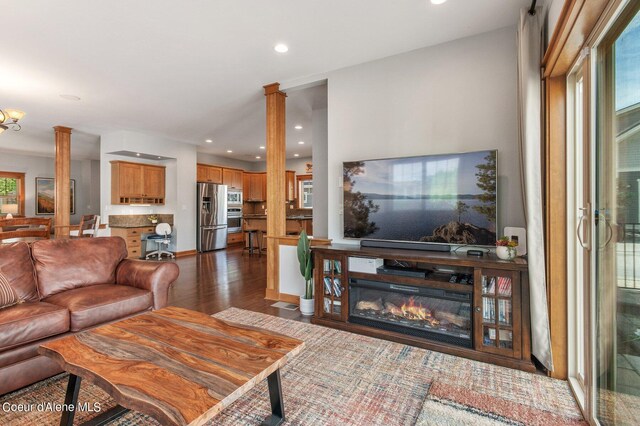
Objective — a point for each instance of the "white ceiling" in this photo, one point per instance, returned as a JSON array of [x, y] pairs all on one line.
[[194, 69]]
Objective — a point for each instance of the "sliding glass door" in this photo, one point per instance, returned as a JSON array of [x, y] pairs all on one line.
[[616, 219], [578, 229]]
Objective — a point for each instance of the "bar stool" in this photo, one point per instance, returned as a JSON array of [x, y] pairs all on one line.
[[252, 234]]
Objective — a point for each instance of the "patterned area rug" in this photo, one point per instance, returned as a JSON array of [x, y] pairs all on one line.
[[347, 379]]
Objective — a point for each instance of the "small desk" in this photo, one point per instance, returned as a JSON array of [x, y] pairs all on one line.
[[179, 366]]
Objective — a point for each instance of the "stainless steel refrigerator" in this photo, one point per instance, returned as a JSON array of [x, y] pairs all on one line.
[[212, 217]]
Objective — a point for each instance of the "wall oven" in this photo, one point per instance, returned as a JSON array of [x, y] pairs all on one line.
[[234, 219]]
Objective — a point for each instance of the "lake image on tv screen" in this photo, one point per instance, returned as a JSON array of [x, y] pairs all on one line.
[[439, 198]]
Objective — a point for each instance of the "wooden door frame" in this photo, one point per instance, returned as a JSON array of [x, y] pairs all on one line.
[[21, 195]]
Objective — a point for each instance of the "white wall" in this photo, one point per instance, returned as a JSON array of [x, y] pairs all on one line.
[[85, 173], [299, 165], [455, 97], [553, 9], [180, 198], [320, 187], [217, 160]]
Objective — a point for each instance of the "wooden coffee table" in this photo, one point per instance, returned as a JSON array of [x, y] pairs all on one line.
[[179, 366]]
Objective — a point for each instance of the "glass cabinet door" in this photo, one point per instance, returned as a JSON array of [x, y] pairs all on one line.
[[497, 323], [333, 289]]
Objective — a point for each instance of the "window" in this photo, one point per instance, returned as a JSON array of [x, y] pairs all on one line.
[[305, 191], [11, 193]]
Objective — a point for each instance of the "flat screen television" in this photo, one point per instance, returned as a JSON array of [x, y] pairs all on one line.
[[448, 199]]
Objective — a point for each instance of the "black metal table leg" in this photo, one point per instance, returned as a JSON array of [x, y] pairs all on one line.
[[70, 400], [275, 395], [107, 417]]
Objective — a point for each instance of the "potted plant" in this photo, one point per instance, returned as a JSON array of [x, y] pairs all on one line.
[[306, 269], [506, 248], [153, 218]]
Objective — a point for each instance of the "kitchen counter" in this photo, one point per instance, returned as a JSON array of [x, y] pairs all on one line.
[[127, 221]]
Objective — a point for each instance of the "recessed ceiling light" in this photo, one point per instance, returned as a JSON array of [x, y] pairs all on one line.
[[137, 154], [301, 143], [281, 48], [262, 147], [229, 151], [208, 141], [296, 155], [437, 1], [298, 127], [257, 157], [159, 158], [70, 97]]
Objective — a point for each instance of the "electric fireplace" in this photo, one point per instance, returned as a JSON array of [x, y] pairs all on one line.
[[428, 312]]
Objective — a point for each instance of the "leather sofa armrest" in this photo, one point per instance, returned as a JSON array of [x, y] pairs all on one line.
[[156, 277]]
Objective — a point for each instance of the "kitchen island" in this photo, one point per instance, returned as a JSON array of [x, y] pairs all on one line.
[[295, 224]]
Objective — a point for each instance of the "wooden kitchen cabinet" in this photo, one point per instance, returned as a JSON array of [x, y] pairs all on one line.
[[136, 183], [209, 174], [255, 187], [290, 182], [232, 178]]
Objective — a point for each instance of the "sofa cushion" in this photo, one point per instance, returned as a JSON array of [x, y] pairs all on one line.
[[69, 264], [31, 321], [8, 297], [97, 304], [15, 262]]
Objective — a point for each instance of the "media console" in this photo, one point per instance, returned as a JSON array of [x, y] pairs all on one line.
[[469, 307]]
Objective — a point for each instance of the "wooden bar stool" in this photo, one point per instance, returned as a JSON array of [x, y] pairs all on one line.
[[252, 234]]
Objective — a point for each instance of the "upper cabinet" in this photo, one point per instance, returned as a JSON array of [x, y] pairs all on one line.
[[290, 188], [232, 178], [136, 183], [210, 174], [255, 187]]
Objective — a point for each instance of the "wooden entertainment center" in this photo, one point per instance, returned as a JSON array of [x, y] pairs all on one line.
[[474, 307]]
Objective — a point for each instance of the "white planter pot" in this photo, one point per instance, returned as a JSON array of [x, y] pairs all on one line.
[[506, 253], [306, 306]]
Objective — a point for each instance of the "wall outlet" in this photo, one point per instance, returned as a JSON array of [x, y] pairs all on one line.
[[290, 206]]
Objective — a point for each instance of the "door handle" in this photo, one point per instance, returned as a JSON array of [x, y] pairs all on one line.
[[584, 215], [609, 229]]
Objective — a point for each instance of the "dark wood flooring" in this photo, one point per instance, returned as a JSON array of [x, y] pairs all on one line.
[[214, 281]]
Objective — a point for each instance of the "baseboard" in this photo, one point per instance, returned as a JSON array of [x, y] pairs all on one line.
[[290, 298], [186, 253]]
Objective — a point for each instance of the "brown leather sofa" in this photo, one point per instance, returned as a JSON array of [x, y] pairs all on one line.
[[68, 286]]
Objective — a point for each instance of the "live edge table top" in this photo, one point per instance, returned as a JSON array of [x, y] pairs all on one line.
[[179, 366]]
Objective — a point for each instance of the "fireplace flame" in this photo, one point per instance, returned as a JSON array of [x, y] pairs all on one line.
[[410, 310]]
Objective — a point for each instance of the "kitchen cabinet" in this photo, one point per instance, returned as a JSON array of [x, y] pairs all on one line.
[[255, 186], [232, 178], [136, 183], [210, 174], [290, 188]]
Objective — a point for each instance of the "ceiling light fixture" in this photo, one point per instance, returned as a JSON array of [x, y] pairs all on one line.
[[298, 127], [159, 158], [9, 119], [296, 155], [257, 157], [438, 1], [208, 141], [262, 147], [70, 97], [229, 151], [301, 143], [281, 48], [137, 154]]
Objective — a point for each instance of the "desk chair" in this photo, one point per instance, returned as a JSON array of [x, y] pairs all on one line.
[[162, 237]]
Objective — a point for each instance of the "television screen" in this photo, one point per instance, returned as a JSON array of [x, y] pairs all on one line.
[[436, 198]]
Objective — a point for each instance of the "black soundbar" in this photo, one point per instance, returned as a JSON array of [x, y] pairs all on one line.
[[405, 245]]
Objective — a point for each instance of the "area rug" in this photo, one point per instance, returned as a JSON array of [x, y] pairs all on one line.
[[342, 378]]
